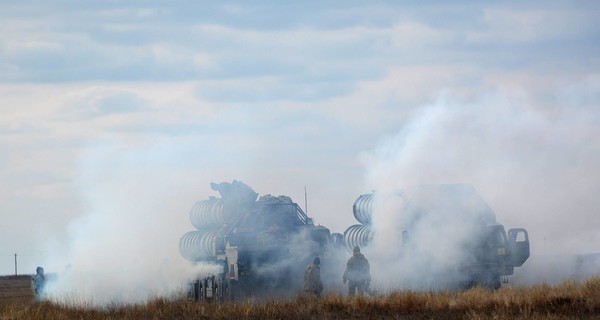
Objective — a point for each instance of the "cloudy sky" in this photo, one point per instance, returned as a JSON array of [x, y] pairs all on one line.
[[116, 116]]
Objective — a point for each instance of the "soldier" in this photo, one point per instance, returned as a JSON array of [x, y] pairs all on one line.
[[312, 278], [39, 281], [357, 272]]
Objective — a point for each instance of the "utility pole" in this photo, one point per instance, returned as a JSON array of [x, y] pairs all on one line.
[[15, 264]]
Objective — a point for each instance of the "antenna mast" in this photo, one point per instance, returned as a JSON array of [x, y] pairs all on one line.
[[305, 202]]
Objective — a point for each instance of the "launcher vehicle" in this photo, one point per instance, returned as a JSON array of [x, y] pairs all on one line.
[[448, 232], [261, 245]]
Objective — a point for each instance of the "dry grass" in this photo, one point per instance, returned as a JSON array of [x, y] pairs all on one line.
[[568, 300]]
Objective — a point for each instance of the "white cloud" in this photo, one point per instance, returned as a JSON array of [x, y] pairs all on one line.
[[523, 26], [25, 47], [412, 35]]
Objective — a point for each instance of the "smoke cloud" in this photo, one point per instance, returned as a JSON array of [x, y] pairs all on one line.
[[124, 248], [534, 166]]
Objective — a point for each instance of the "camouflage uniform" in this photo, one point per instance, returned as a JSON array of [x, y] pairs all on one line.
[[312, 278], [357, 273]]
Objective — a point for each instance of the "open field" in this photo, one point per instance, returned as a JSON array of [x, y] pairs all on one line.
[[15, 289], [566, 300]]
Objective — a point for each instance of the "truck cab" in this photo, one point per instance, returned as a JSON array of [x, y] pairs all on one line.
[[495, 254]]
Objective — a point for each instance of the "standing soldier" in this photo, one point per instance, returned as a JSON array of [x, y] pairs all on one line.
[[39, 281], [357, 272], [312, 278]]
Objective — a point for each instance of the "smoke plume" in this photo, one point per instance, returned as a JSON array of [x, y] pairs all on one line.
[[534, 166], [124, 248]]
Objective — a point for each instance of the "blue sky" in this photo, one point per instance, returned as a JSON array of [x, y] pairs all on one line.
[[135, 107]]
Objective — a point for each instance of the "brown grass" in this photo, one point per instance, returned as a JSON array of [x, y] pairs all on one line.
[[569, 300]]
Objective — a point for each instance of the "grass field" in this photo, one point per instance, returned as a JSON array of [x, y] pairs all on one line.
[[575, 300]]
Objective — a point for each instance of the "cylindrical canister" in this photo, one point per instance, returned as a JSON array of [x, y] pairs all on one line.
[[358, 235], [363, 208], [207, 213], [198, 245]]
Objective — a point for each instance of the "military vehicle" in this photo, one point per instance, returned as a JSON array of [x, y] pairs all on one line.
[[261, 245], [448, 232]]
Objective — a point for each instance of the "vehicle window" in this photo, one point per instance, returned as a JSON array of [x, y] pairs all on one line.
[[520, 237], [496, 237]]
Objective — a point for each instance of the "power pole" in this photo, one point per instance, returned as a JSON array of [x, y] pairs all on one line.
[[15, 263]]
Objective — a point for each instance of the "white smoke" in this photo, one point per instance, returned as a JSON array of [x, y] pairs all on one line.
[[535, 166], [422, 236], [124, 249]]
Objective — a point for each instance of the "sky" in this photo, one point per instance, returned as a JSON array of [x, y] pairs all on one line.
[[116, 116]]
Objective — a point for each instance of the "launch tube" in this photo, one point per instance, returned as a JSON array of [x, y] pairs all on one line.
[[358, 235], [363, 208], [198, 245], [207, 213]]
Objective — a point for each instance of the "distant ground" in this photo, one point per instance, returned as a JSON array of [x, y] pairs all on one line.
[[552, 269], [15, 289]]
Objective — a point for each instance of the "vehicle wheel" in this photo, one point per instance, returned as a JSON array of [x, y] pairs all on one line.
[[492, 283]]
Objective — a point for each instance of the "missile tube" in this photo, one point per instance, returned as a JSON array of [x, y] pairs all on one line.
[[207, 214], [198, 245], [358, 235], [363, 208]]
